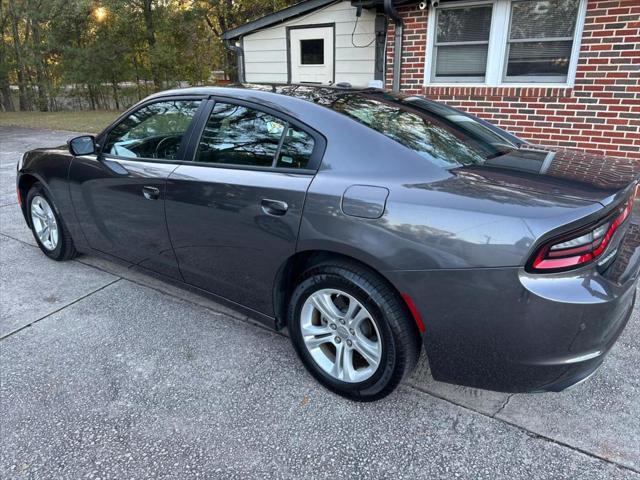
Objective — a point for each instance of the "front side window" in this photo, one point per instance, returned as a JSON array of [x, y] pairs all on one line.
[[505, 41], [462, 42], [153, 131], [239, 135]]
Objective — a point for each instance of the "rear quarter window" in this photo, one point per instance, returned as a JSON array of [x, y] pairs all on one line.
[[438, 140]]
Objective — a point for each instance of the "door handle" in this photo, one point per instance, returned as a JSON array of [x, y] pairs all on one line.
[[274, 207], [151, 193]]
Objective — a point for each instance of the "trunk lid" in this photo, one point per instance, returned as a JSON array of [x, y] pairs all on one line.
[[561, 173]]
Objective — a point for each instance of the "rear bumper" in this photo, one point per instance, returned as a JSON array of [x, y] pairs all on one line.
[[507, 330]]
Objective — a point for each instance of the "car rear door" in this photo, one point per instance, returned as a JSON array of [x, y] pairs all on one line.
[[118, 195], [234, 212]]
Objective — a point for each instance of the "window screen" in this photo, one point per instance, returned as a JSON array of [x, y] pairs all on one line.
[[462, 42], [541, 39], [312, 52], [238, 135]]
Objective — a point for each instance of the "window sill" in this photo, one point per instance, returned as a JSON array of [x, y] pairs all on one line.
[[504, 90]]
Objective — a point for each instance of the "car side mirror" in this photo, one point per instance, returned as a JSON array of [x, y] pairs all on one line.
[[83, 145]]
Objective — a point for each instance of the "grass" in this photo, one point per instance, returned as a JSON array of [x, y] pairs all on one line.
[[85, 121]]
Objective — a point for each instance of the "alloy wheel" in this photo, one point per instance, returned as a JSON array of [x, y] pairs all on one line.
[[341, 335], [44, 222]]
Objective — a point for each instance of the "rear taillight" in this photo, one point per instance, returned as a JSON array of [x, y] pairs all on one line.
[[581, 247]]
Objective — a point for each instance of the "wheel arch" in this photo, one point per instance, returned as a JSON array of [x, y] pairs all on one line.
[[294, 266], [25, 182]]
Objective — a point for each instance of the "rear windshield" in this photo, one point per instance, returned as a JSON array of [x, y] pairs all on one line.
[[442, 135]]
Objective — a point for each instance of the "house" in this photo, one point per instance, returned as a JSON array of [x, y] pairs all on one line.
[[556, 72]]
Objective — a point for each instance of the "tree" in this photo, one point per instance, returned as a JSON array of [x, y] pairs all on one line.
[[21, 73], [84, 52], [5, 66], [223, 15]]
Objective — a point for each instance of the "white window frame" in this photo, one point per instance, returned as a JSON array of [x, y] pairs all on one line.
[[497, 53]]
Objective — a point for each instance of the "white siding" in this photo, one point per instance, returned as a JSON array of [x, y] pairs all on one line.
[[265, 51]]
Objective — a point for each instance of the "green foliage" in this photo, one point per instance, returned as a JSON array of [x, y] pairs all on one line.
[[103, 54]]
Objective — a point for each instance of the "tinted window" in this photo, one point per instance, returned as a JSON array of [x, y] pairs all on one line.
[[485, 135], [240, 136], [153, 131], [296, 149], [447, 142]]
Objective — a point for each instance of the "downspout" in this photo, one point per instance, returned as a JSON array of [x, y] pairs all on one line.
[[391, 11], [381, 27], [239, 57]]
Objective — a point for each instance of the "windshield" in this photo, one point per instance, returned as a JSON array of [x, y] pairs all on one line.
[[442, 135]]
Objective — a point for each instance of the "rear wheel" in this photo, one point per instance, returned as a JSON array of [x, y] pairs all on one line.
[[352, 331], [48, 229]]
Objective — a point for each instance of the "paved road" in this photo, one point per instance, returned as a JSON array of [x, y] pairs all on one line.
[[108, 373]]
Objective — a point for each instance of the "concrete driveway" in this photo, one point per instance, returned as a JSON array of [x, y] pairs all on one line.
[[108, 373]]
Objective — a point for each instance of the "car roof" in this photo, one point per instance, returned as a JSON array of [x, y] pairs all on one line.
[[308, 103], [302, 91], [287, 95]]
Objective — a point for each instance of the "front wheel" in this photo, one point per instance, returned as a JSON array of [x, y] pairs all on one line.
[[352, 331], [50, 233]]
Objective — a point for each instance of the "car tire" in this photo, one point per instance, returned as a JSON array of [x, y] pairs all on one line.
[[391, 334], [43, 213]]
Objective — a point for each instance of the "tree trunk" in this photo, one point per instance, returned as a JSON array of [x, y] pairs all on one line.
[[114, 87], [43, 102], [7, 102], [229, 57], [92, 98], [231, 65], [5, 90], [134, 59], [150, 34], [23, 93]]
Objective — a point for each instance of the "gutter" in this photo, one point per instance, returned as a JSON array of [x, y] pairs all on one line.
[[240, 59], [392, 13]]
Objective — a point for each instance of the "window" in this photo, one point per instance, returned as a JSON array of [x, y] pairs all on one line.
[[153, 131], [505, 41], [540, 39], [239, 135], [443, 136], [312, 52], [296, 150], [462, 42]]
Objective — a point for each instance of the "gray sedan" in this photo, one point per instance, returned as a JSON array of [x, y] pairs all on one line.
[[370, 225]]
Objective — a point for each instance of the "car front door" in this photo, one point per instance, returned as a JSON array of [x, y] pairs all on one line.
[[118, 195], [234, 212]]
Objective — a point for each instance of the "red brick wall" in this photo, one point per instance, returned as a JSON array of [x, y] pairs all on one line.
[[600, 114]]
